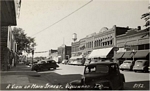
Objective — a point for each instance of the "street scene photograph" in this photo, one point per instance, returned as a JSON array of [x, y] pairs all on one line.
[[75, 45]]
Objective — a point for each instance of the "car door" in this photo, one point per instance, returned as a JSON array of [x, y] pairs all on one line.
[[42, 65], [115, 76]]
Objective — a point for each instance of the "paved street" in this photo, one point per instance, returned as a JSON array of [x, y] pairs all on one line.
[[21, 77], [67, 73]]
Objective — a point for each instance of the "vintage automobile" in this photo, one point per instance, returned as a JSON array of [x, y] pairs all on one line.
[[141, 65], [99, 76], [44, 65], [127, 65]]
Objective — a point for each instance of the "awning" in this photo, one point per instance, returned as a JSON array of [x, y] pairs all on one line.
[[102, 53], [119, 54], [141, 54], [128, 54], [121, 50]]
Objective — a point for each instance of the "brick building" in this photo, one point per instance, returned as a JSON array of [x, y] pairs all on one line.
[[135, 44], [90, 45], [64, 52]]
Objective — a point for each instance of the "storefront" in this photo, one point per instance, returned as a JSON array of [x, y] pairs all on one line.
[[102, 53]]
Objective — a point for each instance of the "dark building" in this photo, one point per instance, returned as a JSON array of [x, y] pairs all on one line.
[[9, 13], [64, 52], [52, 51]]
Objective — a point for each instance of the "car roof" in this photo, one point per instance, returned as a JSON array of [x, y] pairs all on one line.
[[128, 61], [141, 60], [102, 63]]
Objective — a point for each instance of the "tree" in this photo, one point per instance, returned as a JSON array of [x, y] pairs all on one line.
[[24, 42], [146, 17]]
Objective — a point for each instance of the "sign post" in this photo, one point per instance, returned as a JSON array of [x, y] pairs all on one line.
[[32, 56]]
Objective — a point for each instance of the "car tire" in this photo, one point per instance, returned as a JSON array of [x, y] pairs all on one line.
[[122, 87]]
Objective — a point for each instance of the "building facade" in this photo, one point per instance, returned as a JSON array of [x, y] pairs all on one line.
[[64, 52], [135, 43], [9, 48], [9, 13], [105, 38]]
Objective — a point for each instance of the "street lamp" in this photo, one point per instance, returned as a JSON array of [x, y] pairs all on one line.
[[32, 55]]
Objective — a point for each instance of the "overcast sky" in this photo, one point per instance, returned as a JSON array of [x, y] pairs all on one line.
[[36, 15]]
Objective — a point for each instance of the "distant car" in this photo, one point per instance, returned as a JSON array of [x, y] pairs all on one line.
[[65, 61], [99, 76], [87, 62], [141, 65], [77, 62], [127, 65], [44, 65]]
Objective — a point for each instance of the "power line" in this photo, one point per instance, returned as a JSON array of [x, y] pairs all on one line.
[[63, 18]]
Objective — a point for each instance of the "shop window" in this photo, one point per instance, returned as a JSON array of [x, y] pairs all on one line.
[[141, 47], [147, 46]]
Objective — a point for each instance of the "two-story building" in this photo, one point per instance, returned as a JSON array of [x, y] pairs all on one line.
[[134, 44], [64, 52], [9, 12]]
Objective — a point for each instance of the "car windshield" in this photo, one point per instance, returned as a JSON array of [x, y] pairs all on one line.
[[139, 62], [97, 69], [41, 62], [127, 62]]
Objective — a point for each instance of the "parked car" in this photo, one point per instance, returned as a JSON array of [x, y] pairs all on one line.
[[141, 65], [87, 62], [127, 65], [44, 65], [102, 76]]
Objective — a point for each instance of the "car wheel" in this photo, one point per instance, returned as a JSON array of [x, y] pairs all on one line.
[[135, 71]]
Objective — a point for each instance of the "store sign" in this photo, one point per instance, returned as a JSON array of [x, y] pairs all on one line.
[[129, 46]]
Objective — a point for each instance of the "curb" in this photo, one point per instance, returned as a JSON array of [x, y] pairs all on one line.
[[30, 73]]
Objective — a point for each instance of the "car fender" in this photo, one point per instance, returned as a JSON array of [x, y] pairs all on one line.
[[122, 77]]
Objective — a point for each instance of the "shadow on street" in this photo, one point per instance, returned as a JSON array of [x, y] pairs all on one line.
[[57, 79]]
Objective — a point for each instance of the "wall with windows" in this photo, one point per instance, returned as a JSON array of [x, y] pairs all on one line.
[[134, 39], [104, 39]]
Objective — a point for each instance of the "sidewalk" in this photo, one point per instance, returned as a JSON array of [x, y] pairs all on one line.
[[21, 76]]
